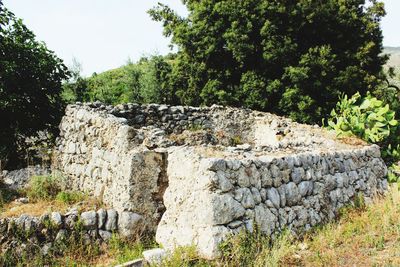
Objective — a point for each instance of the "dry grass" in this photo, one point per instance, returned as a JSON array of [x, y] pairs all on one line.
[[366, 236], [40, 207], [369, 237]]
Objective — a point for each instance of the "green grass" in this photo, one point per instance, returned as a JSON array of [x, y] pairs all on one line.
[[42, 188], [70, 197]]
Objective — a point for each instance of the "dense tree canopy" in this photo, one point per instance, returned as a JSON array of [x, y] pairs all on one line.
[[292, 57], [30, 85], [147, 81]]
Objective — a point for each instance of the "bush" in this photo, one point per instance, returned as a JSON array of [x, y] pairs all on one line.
[[371, 120], [43, 188], [368, 118]]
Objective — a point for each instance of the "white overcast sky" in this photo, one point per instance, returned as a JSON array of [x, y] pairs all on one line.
[[103, 34]]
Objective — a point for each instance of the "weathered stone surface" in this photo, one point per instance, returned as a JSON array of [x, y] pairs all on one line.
[[102, 217], [56, 219], [89, 219], [112, 219], [273, 196], [130, 224], [134, 263], [154, 256], [40, 233], [105, 235], [305, 188]]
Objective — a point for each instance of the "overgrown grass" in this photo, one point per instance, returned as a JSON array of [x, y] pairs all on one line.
[[42, 188], [45, 194], [362, 236], [70, 197]]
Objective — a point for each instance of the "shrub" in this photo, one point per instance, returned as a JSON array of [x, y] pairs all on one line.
[[373, 121], [30, 87], [43, 188], [368, 118]]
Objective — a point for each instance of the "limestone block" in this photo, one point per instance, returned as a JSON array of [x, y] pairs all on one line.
[[130, 224], [89, 219], [111, 222]]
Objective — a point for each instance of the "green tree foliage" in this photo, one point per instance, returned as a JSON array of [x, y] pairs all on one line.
[[289, 57], [115, 86], [147, 81], [76, 88], [30, 86], [155, 82]]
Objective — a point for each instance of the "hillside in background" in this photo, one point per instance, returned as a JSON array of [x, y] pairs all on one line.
[[394, 53]]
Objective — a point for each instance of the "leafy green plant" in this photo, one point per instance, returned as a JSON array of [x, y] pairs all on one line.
[[288, 57], [195, 127], [373, 121], [394, 174], [30, 87], [368, 118]]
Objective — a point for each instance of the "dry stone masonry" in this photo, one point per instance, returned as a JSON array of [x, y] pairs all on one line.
[[197, 175], [26, 233]]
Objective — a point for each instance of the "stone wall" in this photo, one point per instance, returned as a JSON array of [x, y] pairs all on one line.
[[27, 233], [207, 172], [98, 154], [209, 198]]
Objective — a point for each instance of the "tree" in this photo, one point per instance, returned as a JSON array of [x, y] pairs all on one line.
[[291, 57], [75, 89], [30, 86], [155, 82]]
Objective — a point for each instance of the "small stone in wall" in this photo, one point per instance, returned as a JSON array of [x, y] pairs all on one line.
[[89, 219], [56, 218], [105, 235], [102, 216], [154, 256], [112, 218], [129, 224]]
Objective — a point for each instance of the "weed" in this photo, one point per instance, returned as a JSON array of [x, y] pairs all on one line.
[[42, 188], [185, 256], [255, 249], [195, 127], [70, 197], [236, 140]]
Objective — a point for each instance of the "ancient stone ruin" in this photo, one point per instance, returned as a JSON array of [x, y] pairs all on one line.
[[197, 175]]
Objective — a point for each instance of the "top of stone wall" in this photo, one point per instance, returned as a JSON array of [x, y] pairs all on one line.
[[220, 130]]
